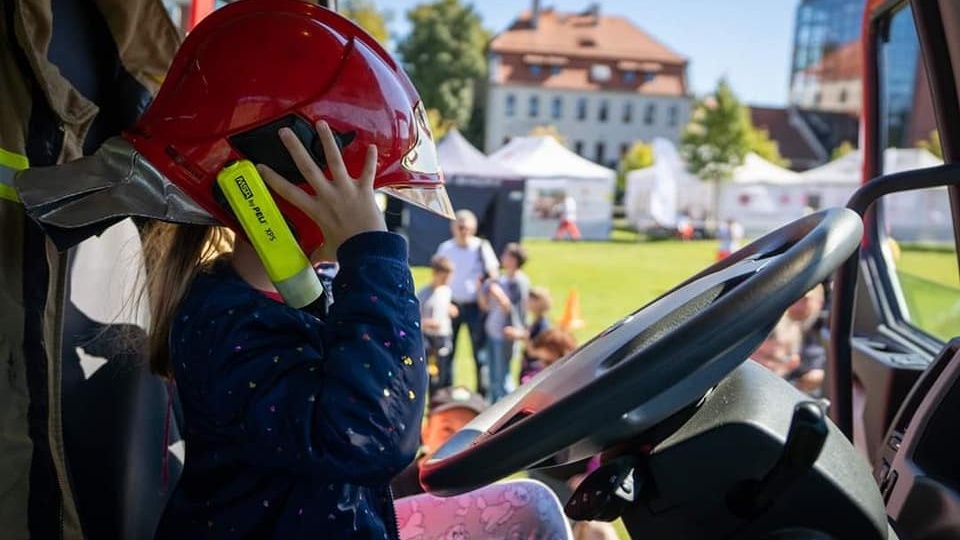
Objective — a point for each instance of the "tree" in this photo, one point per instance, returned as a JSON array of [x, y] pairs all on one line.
[[717, 138], [638, 156], [549, 131], [438, 126], [444, 55], [841, 150], [760, 143], [932, 144], [368, 17]]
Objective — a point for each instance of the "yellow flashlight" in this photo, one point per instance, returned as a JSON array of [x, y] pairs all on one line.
[[287, 266]]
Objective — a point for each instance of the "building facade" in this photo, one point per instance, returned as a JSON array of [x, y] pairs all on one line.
[[599, 80], [826, 64]]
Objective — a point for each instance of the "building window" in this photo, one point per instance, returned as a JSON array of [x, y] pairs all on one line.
[[556, 108], [555, 70], [511, 106], [599, 151], [624, 148], [843, 96], [536, 70], [627, 112], [673, 116], [602, 113], [630, 76], [648, 76], [534, 106], [582, 109], [650, 114], [578, 147]]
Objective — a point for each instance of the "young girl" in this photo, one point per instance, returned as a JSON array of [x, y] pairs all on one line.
[[294, 424]]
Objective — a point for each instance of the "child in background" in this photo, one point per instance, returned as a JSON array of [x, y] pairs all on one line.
[[505, 300], [538, 306], [809, 314], [436, 312], [780, 351], [548, 347], [450, 409]]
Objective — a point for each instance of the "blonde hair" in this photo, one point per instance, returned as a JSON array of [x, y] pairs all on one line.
[[542, 294], [174, 254]]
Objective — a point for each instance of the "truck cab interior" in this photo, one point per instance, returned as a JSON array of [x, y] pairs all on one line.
[[698, 441]]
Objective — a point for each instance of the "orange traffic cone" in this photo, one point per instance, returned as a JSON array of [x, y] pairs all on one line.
[[570, 318]]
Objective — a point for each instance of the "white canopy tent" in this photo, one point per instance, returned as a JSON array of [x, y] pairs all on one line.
[[761, 196], [656, 196], [552, 173], [474, 182], [832, 184]]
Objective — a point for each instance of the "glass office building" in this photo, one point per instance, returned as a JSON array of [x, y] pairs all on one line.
[[825, 68]]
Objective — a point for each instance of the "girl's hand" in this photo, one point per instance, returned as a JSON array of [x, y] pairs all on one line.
[[343, 206]]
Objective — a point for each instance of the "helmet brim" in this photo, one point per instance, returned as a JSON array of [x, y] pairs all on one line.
[[433, 198]]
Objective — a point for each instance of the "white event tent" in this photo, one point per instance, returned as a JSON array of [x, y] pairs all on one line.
[[760, 195], [832, 184], [553, 172]]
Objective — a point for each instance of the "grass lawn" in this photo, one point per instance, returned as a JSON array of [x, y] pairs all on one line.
[[614, 278], [929, 280]]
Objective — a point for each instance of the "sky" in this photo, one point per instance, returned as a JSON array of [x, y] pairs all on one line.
[[748, 41]]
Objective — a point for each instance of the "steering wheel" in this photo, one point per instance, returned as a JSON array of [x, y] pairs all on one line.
[[651, 364]]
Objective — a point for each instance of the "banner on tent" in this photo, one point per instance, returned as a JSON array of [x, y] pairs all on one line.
[[544, 203]]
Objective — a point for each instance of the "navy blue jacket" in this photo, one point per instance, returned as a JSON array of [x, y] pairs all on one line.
[[294, 426]]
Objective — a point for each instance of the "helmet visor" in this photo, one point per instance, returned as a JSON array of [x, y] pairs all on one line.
[[422, 160], [431, 198]]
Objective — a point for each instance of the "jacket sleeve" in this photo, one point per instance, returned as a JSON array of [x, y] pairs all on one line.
[[346, 404]]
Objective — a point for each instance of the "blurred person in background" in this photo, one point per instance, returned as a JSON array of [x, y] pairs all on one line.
[[474, 261]]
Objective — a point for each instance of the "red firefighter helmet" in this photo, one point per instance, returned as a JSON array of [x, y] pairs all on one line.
[[255, 66]]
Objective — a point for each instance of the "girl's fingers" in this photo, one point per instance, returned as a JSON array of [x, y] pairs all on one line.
[[331, 153], [369, 168], [304, 161], [285, 189]]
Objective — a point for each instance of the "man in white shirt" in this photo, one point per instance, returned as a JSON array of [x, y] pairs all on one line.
[[474, 261]]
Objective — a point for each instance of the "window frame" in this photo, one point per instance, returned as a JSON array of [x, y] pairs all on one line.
[[650, 114], [556, 107], [879, 268], [582, 108]]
